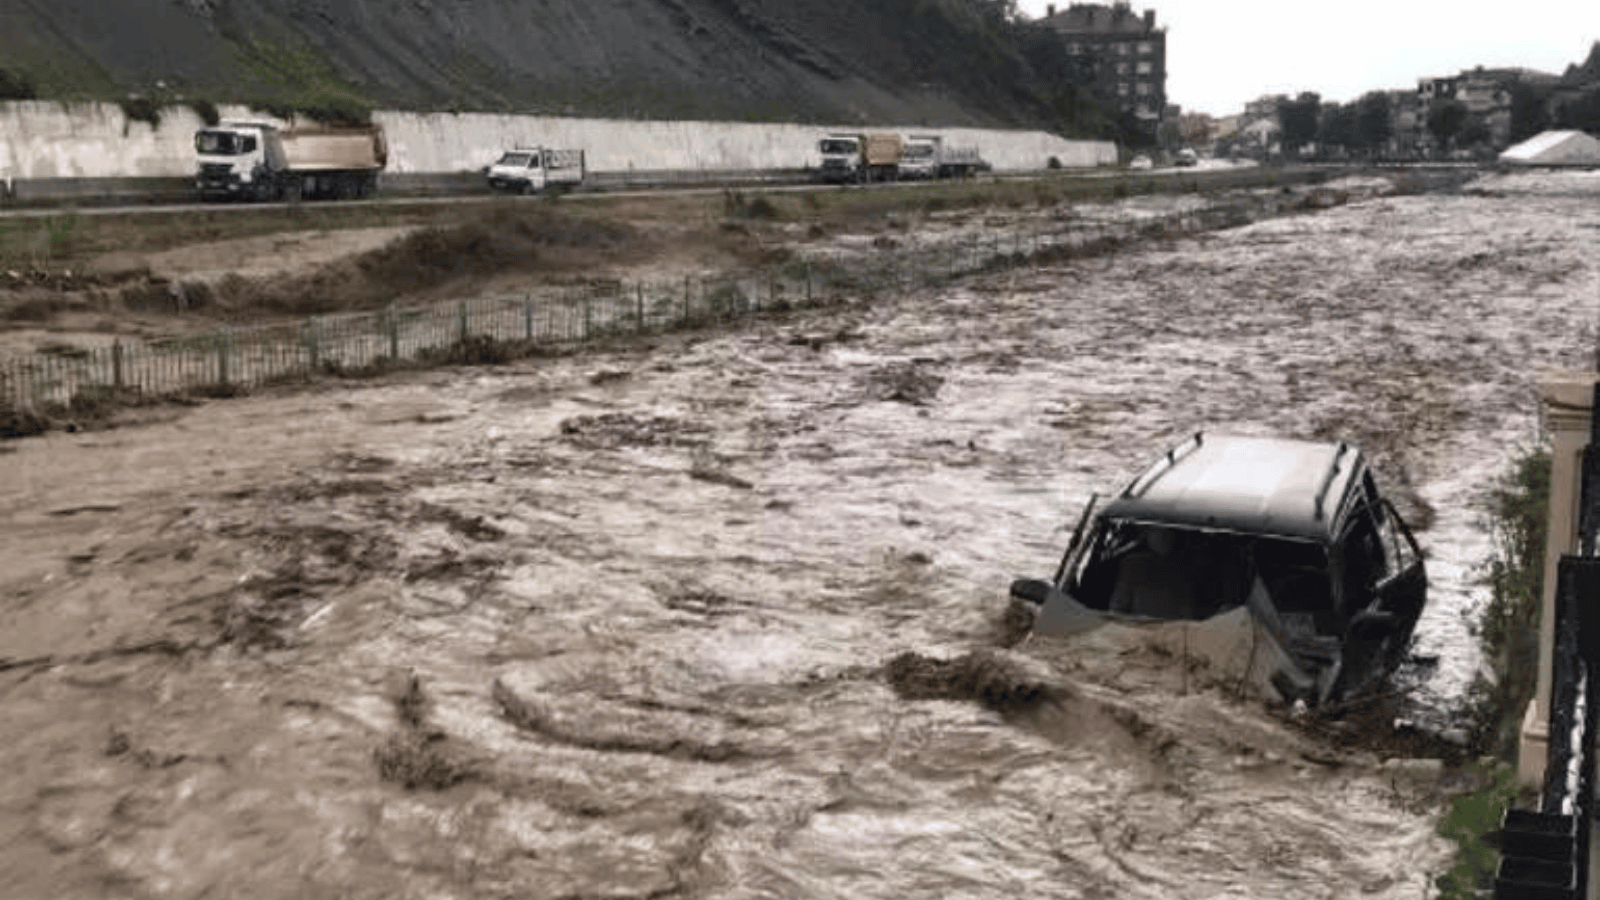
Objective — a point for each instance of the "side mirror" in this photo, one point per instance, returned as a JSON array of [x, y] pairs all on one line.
[[1031, 589]]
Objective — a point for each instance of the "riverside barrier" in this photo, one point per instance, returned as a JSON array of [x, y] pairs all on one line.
[[1545, 852], [67, 380], [167, 189]]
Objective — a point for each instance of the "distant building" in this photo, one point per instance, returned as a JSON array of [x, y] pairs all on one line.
[[1264, 107], [1486, 95], [1122, 57]]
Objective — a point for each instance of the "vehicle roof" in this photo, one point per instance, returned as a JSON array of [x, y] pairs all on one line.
[[1273, 486]]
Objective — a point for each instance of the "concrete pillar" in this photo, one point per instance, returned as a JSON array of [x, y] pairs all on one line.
[[1567, 408]]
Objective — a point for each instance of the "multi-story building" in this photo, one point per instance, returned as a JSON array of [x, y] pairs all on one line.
[[1486, 95], [1122, 57], [1264, 107]]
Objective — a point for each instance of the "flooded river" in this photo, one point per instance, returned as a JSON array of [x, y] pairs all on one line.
[[715, 615]]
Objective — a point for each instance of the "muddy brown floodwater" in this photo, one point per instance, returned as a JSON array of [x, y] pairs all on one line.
[[714, 615]]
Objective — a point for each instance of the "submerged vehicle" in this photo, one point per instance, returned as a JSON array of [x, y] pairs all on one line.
[[1279, 559]]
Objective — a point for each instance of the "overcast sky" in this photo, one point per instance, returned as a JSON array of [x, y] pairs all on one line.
[[1222, 53]]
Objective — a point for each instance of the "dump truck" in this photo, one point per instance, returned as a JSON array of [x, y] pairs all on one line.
[[861, 157], [928, 156], [531, 170], [260, 161]]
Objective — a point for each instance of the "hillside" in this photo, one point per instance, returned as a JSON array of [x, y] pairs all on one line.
[[940, 62]]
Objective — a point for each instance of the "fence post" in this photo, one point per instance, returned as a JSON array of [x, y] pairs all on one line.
[[392, 317], [588, 315], [461, 311], [116, 365], [638, 289], [311, 337], [222, 340], [527, 317]]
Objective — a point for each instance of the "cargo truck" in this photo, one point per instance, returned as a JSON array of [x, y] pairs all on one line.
[[861, 157], [260, 161], [530, 170], [928, 156]]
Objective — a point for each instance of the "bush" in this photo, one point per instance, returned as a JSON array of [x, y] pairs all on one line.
[[141, 109], [1517, 506], [206, 110], [16, 86]]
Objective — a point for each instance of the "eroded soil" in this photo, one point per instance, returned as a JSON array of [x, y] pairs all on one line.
[[716, 614]]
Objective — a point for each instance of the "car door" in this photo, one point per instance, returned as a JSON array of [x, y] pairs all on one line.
[[1383, 586], [1403, 589]]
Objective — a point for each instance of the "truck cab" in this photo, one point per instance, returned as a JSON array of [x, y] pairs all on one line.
[[841, 158], [238, 160], [922, 157]]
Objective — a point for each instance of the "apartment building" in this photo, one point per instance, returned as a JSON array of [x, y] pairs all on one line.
[[1122, 56], [1485, 93]]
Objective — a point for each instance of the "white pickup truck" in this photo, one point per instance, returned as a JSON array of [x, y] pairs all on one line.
[[530, 170]]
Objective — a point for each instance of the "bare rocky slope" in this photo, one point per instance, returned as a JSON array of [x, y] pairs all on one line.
[[939, 62]]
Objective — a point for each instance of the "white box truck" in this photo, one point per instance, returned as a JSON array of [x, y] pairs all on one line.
[[928, 156]]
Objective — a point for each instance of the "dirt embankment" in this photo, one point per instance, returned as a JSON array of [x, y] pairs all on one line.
[[714, 614]]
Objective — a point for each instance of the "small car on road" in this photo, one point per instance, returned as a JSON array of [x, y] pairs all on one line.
[[1282, 559]]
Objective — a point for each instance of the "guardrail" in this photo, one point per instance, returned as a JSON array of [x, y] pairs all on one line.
[[151, 190], [1544, 853], [487, 329]]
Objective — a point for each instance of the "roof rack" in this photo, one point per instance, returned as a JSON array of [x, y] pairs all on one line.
[[1160, 466], [1327, 480]]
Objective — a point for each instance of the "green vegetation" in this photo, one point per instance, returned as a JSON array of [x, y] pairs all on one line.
[[290, 78], [15, 85], [206, 110], [141, 109], [1471, 817], [1516, 506]]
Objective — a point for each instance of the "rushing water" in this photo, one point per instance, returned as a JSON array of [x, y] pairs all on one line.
[[619, 625]]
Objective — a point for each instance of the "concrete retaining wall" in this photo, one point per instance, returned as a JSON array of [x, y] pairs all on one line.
[[49, 140]]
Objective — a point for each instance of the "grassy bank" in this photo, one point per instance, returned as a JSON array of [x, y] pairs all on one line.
[[1516, 507]]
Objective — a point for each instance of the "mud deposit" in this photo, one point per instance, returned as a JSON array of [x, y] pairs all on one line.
[[716, 615]]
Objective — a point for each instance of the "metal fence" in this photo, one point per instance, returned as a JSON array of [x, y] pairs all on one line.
[[1544, 853], [485, 329]]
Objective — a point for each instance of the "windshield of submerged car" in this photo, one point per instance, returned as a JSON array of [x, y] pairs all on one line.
[[1159, 571]]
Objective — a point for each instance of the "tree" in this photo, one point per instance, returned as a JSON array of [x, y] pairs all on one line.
[[1445, 120], [1582, 112], [1337, 126], [1530, 110], [1298, 120], [1374, 121]]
